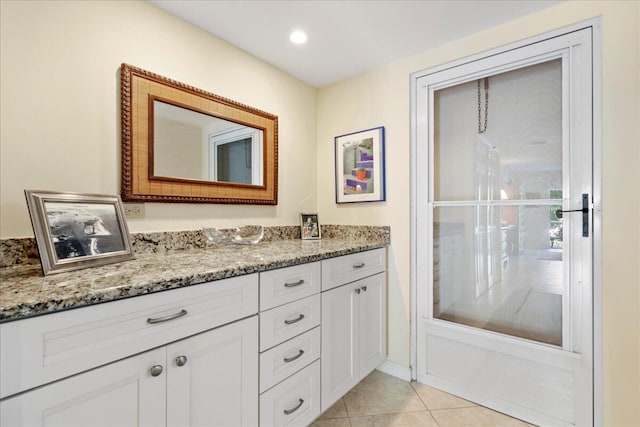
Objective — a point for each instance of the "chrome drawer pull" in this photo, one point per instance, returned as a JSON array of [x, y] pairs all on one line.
[[156, 370], [297, 356], [358, 265], [293, 285], [152, 320], [181, 361], [291, 411], [289, 322]]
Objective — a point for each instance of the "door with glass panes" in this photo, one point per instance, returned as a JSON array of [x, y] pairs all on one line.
[[503, 222]]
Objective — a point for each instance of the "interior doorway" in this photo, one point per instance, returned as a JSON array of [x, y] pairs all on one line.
[[504, 236]]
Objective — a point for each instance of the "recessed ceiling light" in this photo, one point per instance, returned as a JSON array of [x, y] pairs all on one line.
[[298, 37]]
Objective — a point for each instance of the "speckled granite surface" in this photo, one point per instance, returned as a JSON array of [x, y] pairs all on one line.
[[24, 292]]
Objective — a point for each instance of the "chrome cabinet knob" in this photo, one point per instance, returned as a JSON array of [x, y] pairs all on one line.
[[357, 290], [181, 360], [155, 370], [364, 288]]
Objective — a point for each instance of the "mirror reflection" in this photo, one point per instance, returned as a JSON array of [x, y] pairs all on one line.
[[191, 145]]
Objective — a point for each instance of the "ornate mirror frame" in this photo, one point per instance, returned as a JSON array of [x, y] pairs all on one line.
[[138, 89]]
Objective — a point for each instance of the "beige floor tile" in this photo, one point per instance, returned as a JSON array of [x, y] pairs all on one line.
[[405, 419], [336, 422], [477, 416], [380, 393], [438, 399], [338, 410]]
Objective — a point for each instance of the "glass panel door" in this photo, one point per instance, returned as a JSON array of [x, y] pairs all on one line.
[[498, 179]]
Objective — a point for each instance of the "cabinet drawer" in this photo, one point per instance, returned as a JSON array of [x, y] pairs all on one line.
[[289, 357], [295, 401], [278, 287], [42, 349], [284, 322], [348, 268]]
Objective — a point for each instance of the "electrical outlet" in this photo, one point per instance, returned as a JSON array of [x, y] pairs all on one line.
[[133, 210]]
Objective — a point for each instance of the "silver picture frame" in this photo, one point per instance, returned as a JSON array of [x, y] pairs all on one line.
[[75, 231]]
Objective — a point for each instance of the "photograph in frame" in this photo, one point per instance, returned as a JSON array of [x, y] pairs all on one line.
[[309, 226], [75, 231], [359, 166]]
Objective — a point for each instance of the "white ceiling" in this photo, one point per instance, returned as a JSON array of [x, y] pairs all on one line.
[[346, 38]]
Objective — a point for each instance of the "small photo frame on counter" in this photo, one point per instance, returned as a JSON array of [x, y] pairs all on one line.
[[359, 166], [309, 226], [75, 231]]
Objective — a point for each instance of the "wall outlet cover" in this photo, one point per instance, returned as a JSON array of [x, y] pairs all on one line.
[[133, 210]]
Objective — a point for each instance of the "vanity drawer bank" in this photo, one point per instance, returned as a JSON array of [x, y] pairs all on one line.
[[76, 345]]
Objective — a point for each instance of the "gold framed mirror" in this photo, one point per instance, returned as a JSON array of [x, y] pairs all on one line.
[[183, 144]]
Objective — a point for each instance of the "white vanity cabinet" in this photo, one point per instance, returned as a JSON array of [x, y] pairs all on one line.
[[120, 394], [290, 318], [209, 378], [353, 322], [270, 349]]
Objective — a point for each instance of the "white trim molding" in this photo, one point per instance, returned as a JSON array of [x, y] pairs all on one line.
[[395, 370]]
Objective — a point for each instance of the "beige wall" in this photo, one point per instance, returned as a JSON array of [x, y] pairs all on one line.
[[60, 108], [59, 130], [382, 97]]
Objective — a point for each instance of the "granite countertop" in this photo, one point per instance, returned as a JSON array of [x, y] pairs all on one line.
[[25, 292]]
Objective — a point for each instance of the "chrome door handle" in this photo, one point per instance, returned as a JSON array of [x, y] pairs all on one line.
[[294, 284], [292, 410], [297, 356], [152, 320], [156, 370], [359, 265], [289, 322], [181, 360]]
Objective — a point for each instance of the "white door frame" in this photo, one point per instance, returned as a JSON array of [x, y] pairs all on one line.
[[595, 25]]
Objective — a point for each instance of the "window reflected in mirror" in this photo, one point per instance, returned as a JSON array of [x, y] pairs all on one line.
[[191, 145]]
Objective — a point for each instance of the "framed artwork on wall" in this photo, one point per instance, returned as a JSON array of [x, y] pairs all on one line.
[[75, 231], [359, 166]]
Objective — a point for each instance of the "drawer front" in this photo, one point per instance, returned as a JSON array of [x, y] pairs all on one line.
[[42, 349], [281, 323], [293, 402], [288, 358], [348, 268], [278, 287]]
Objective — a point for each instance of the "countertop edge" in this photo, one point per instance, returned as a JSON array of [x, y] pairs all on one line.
[[32, 307]]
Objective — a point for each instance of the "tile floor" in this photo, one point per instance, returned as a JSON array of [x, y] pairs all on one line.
[[381, 400]]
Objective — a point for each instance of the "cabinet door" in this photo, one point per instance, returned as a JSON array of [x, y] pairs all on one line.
[[340, 352], [212, 378], [120, 394], [373, 323]]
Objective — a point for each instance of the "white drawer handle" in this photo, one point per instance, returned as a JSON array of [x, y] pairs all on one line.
[[297, 356], [299, 318], [358, 265], [153, 320], [293, 285], [292, 410]]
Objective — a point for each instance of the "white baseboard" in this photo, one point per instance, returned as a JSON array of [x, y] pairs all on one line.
[[396, 370]]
